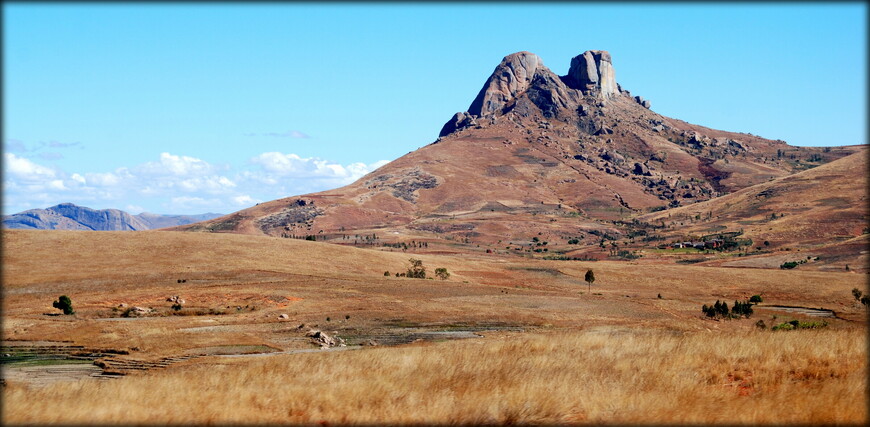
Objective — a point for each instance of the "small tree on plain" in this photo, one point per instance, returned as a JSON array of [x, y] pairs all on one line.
[[590, 278], [64, 304], [442, 273], [416, 270]]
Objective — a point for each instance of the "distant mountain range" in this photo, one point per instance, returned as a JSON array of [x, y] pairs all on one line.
[[67, 216]]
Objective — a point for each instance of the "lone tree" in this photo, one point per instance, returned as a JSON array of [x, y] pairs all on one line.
[[64, 304], [442, 273], [416, 270], [590, 278]]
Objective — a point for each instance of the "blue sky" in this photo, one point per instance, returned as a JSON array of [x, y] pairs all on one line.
[[214, 107]]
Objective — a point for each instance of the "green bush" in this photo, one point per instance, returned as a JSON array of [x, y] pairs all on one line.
[[64, 304], [416, 271], [442, 273], [788, 265], [756, 299]]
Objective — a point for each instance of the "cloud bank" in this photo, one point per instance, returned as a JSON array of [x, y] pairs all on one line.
[[174, 184]]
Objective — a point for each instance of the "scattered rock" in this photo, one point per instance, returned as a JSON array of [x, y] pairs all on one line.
[[641, 169], [459, 121], [643, 102], [613, 156], [283, 316], [324, 340], [604, 130]]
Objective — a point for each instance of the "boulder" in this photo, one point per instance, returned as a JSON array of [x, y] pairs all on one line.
[[604, 130], [641, 169], [643, 102], [283, 316], [613, 156]]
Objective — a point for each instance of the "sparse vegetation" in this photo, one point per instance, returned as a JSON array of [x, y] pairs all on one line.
[[64, 304], [860, 297], [756, 299], [797, 324], [589, 278], [745, 376], [720, 310], [442, 273], [416, 270]]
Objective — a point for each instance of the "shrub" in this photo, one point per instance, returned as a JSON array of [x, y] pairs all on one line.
[[756, 299], [176, 306], [442, 273], [788, 265], [64, 303], [416, 271], [386, 274], [796, 324]]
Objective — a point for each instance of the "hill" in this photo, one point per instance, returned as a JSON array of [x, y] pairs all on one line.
[[822, 212], [67, 216], [538, 157]]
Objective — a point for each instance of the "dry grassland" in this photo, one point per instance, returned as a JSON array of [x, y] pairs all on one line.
[[596, 376], [616, 354]]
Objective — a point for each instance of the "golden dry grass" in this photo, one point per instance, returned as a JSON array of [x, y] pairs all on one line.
[[594, 376], [619, 355]]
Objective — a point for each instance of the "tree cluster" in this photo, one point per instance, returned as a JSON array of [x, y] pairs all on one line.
[[721, 310]]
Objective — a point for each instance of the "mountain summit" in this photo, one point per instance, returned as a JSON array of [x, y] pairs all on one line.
[[522, 78], [536, 154]]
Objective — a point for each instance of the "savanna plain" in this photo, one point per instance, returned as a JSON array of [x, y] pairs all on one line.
[[301, 332]]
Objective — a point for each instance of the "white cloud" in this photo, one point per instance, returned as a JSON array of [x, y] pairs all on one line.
[[175, 183], [245, 200], [177, 165], [25, 170]]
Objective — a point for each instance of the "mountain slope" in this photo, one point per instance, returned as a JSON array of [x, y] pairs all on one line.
[[536, 154], [67, 216], [810, 207]]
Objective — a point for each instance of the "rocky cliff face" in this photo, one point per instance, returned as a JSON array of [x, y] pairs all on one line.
[[593, 72], [67, 216], [522, 76]]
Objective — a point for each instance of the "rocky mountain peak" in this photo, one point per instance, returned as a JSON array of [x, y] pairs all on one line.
[[511, 77], [593, 71], [522, 84]]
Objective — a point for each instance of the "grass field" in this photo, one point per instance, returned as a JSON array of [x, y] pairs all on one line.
[[606, 375], [635, 348]]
